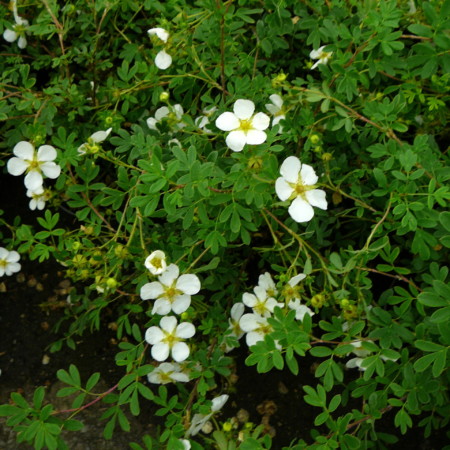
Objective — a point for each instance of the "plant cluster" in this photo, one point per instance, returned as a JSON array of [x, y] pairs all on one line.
[[195, 151]]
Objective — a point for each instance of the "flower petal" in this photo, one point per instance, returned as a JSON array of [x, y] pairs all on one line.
[[10, 35], [153, 335], [237, 310], [33, 180], [24, 150], [308, 175], [295, 280], [185, 330], [244, 109], [301, 211], [12, 257], [181, 303], [283, 189], [253, 337], [169, 275], [256, 137], [163, 60], [151, 123], [151, 290], [236, 140], [290, 169], [180, 351], [100, 136], [46, 153], [260, 121], [188, 284], [160, 32], [180, 377], [162, 307], [249, 299], [17, 166], [249, 322], [227, 121], [316, 197], [162, 112], [160, 351], [276, 100], [22, 42], [51, 170], [218, 402], [168, 324]]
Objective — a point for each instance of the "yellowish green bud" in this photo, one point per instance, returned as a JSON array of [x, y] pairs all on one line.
[[314, 139], [327, 157], [318, 301], [227, 426], [164, 96], [76, 245], [255, 163], [111, 283]]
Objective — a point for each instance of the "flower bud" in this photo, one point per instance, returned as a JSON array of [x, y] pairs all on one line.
[[318, 301], [314, 139], [109, 120], [327, 157], [227, 426], [111, 283], [164, 96], [255, 163], [76, 245]]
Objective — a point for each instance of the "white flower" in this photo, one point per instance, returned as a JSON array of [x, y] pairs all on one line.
[[260, 302], [163, 60], [256, 327], [245, 127], [168, 373], [18, 32], [300, 310], [172, 292], [320, 55], [91, 145], [199, 420], [265, 281], [156, 262], [276, 109], [168, 338], [161, 33], [297, 184], [8, 262], [38, 198], [172, 115], [291, 291], [355, 363], [203, 121], [34, 163]]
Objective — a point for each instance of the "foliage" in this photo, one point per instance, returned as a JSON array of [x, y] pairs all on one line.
[[370, 118]]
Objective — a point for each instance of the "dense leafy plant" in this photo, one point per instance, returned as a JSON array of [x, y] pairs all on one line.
[[325, 191]]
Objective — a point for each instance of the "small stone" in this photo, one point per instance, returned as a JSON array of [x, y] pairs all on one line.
[[45, 360]]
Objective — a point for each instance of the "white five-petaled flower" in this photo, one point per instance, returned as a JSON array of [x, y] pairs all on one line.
[[245, 127], [38, 198], [361, 353], [276, 109], [260, 302], [156, 262], [300, 310], [256, 327], [168, 339], [34, 163], [9, 262], [172, 292], [199, 420], [168, 373], [172, 115], [18, 32], [320, 55], [297, 183], [91, 145], [265, 281]]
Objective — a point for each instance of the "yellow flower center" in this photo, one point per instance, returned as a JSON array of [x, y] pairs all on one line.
[[170, 292], [3, 263], [245, 125], [156, 262], [170, 339], [260, 308]]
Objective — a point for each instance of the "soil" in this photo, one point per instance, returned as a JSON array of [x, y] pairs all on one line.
[[274, 399]]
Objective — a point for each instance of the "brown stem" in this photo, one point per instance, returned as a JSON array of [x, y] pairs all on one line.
[[391, 275], [87, 404]]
